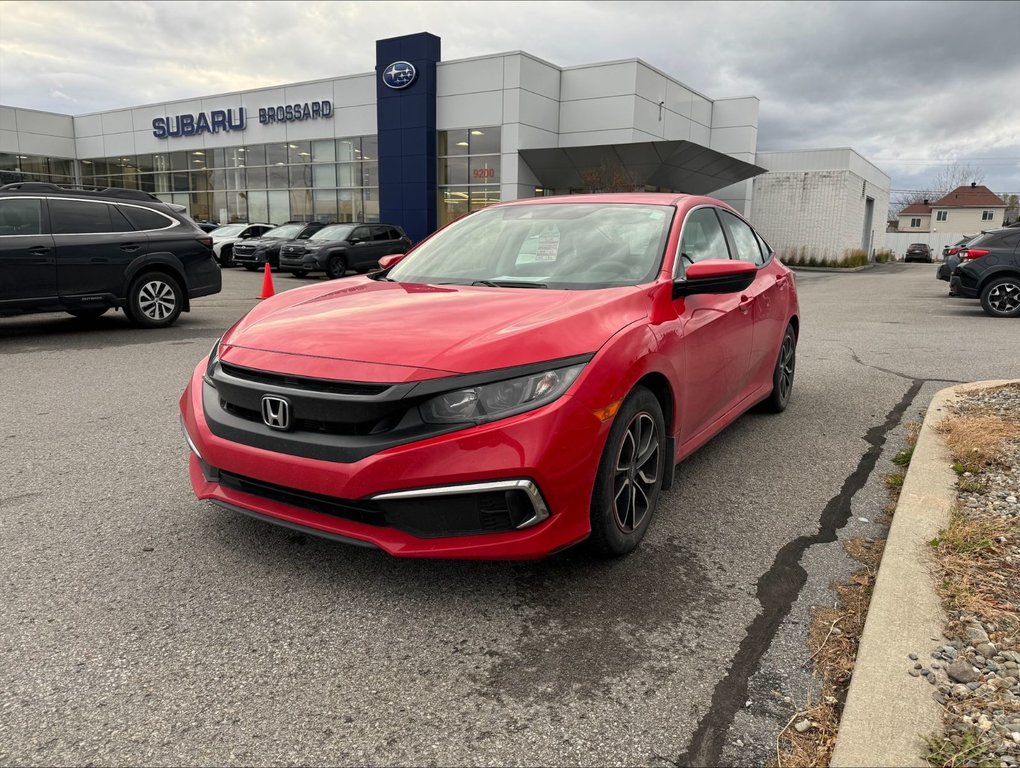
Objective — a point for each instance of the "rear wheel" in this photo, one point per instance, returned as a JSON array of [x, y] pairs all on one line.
[[782, 374], [1001, 297], [336, 267], [630, 475], [227, 256], [155, 300]]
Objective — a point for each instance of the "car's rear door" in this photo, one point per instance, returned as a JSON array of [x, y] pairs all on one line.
[[27, 267], [94, 244]]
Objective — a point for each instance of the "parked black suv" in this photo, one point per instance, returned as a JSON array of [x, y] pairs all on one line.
[[340, 247], [918, 252], [252, 254], [85, 252], [990, 270]]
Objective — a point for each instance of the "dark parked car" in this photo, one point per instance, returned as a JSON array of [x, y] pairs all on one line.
[[990, 270], [918, 252], [86, 252], [951, 257], [340, 247], [252, 254]]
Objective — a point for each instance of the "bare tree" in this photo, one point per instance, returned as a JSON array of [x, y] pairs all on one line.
[[607, 178], [944, 182], [1012, 208]]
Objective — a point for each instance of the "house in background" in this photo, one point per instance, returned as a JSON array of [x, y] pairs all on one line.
[[965, 209]]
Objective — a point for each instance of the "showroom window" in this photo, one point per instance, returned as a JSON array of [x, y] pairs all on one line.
[[469, 163], [15, 167], [323, 180], [915, 223], [941, 215], [987, 215]]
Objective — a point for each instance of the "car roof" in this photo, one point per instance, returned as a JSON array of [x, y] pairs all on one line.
[[645, 198]]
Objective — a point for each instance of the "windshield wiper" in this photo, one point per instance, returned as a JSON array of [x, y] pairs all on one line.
[[509, 284]]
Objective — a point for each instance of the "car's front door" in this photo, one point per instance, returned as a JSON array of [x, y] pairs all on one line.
[[362, 250], [27, 267], [713, 334]]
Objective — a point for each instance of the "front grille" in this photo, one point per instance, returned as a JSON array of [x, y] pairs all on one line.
[[372, 427], [303, 382], [358, 511], [469, 514]]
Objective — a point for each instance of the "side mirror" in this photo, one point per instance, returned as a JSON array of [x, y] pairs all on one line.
[[391, 261], [715, 276]]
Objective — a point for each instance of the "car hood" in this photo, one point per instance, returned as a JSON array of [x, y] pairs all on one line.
[[404, 331]]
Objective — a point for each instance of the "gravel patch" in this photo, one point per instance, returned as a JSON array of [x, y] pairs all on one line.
[[976, 668]]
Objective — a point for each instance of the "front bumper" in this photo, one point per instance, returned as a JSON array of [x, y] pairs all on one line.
[[305, 261], [384, 499], [258, 257]]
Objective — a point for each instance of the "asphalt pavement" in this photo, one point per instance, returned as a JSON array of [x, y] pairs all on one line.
[[140, 626]]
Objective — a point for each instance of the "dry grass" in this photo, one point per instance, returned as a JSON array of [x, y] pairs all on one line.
[[833, 640], [976, 439]]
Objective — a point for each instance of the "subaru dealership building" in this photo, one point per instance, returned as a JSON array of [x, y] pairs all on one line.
[[416, 142]]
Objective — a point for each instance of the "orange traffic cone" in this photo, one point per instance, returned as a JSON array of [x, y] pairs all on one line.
[[267, 284]]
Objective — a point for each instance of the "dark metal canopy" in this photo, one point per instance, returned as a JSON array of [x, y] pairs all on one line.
[[680, 166]]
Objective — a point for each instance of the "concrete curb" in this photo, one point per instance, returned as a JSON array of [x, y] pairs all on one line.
[[843, 270], [888, 713]]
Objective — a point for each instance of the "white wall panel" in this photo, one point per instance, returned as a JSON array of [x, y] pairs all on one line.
[[679, 99], [117, 122], [539, 111], [541, 78], [141, 118], [599, 81], [119, 144], [472, 76], [9, 141], [88, 125], [299, 94], [512, 71], [512, 105], [530, 137], [354, 91], [89, 146], [50, 146], [587, 138], [597, 114], [729, 113], [8, 119], [649, 118], [469, 110], [734, 140], [679, 128], [354, 121], [701, 110], [45, 123]]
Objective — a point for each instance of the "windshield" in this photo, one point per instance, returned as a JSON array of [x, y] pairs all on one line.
[[334, 232], [228, 230], [286, 232], [554, 245]]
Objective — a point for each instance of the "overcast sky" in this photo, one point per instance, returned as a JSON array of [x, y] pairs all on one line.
[[911, 86]]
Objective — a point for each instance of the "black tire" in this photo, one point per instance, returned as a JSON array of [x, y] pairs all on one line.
[[336, 266], [88, 314], [782, 374], [630, 476], [154, 300], [227, 256], [251, 267], [1001, 297], [299, 272]]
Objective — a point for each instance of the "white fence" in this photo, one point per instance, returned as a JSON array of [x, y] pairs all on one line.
[[898, 242]]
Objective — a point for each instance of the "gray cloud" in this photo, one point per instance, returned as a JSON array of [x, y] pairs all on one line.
[[901, 82]]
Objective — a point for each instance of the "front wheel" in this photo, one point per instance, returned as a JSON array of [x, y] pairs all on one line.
[[227, 256], [154, 300], [782, 374], [630, 475], [336, 267], [1001, 297]]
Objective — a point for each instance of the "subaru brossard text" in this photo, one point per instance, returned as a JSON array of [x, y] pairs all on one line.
[[523, 380]]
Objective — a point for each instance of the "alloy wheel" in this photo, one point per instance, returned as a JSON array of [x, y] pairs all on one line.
[[1004, 298], [786, 365], [156, 300], [636, 472]]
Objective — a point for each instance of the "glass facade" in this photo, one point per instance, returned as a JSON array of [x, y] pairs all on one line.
[[328, 180], [468, 171]]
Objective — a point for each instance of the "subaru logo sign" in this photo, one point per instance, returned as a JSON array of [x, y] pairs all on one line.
[[399, 74]]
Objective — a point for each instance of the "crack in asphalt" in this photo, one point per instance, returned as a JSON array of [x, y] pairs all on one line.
[[777, 590], [858, 360]]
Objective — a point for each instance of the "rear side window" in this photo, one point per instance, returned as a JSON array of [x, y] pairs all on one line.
[[703, 237], [381, 234], [743, 239], [21, 216], [361, 233], [143, 218], [82, 217]]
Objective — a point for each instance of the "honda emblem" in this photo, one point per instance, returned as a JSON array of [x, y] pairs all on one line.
[[276, 412]]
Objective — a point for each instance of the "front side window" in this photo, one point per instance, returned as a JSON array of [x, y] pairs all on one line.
[[743, 238], [580, 246], [703, 238], [942, 216], [20, 216], [285, 232], [987, 215]]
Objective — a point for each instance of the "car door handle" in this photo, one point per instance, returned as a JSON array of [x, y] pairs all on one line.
[[39, 250], [781, 282], [745, 304], [130, 247]]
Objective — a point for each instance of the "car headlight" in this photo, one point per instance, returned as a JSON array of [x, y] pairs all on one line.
[[214, 357], [488, 402]]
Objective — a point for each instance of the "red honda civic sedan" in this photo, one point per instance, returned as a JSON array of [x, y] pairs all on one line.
[[523, 380]]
